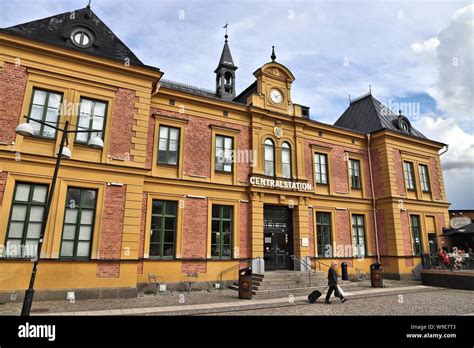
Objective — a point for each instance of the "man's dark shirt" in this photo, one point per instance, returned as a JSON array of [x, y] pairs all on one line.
[[332, 277]]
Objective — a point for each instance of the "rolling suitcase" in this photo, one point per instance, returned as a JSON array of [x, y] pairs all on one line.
[[313, 297]]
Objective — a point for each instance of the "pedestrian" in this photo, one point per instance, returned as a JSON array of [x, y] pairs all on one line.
[[332, 282]]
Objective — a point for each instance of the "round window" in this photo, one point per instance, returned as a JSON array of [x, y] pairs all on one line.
[[81, 38]]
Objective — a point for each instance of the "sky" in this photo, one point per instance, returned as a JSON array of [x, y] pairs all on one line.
[[417, 56]]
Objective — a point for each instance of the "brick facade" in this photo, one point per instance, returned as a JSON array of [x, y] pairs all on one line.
[[12, 89], [343, 234], [377, 169], [121, 125], [194, 243], [244, 238], [435, 175], [398, 170]]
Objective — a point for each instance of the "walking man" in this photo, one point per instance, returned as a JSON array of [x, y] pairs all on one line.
[[332, 282]]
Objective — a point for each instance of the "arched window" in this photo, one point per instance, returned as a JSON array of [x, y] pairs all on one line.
[[286, 160], [269, 158]]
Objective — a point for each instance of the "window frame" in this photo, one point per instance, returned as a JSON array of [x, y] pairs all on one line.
[[416, 229], [355, 184], [424, 178], [26, 221], [178, 143], [221, 219], [328, 225], [224, 137], [286, 146], [78, 225], [357, 227], [45, 111], [409, 175], [265, 157], [163, 217], [320, 174], [91, 120]]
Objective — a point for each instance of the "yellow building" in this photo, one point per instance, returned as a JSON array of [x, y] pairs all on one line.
[[191, 183]]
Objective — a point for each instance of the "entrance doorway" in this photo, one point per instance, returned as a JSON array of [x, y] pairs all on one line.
[[278, 238], [433, 243]]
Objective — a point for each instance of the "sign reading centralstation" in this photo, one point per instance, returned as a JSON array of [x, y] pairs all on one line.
[[280, 184]]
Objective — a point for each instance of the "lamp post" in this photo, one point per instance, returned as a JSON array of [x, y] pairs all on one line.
[[25, 129]]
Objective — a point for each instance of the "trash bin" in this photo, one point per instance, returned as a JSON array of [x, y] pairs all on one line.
[[376, 280], [245, 283], [344, 274]]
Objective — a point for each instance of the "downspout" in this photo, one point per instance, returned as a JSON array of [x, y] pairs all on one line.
[[373, 200], [443, 152]]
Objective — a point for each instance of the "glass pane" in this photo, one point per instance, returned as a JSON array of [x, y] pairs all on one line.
[[269, 168], [285, 156], [216, 211], [169, 224], [16, 230], [226, 226], [54, 100], [168, 249], [36, 213], [39, 97], [52, 115], [170, 208], [88, 198], [169, 237], [67, 248], [13, 248], [86, 106], [155, 236], [84, 122], [37, 112], [155, 249], [226, 250], [219, 142], [214, 250], [227, 212], [22, 192], [82, 137], [286, 171], [83, 249], [98, 123], [156, 222], [228, 143], [161, 156], [48, 132], [18, 213], [215, 225], [157, 207], [226, 238], [360, 220], [71, 216], [73, 197], [69, 232], [85, 232], [36, 127], [214, 238], [34, 230], [174, 134], [87, 217], [163, 144], [268, 153], [99, 109], [227, 167], [30, 249], [164, 132], [173, 145], [39, 194], [172, 158]]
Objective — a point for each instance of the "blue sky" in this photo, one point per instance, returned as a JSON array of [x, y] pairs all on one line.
[[414, 54]]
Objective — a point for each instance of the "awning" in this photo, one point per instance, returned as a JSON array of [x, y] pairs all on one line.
[[468, 229]]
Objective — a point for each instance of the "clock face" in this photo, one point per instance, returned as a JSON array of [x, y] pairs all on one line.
[[276, 96]]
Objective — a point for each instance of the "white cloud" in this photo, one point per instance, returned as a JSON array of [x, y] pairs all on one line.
[[428, 46]]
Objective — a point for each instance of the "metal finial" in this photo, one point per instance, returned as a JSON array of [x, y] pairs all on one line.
[[225, 27], [89, 4], [273, 56], [350, 99], [370, 89], [400, 112]]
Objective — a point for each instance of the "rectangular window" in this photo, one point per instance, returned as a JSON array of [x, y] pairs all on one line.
[[224, 147], [323, 232], [78, 226], [354, 173], [168, 145], [415, 234], [409, 177], [26, 220], [358, 235], [222, 230], [91, 117], [45, 106], [424, 178], [321, 168], [163, 228]]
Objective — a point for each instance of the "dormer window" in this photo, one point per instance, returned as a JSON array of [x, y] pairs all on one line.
[[403, 123], [82, 38]]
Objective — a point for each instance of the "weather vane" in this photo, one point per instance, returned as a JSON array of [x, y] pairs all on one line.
[[225, 27]]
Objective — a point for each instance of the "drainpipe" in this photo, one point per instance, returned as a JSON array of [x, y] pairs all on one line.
[[444, 151], [373, 200]]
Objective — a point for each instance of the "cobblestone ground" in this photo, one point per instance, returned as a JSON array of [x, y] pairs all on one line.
[[438, 302]]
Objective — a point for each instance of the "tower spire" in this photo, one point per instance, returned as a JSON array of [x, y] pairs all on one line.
[[225, 27], [273, 56], [225, 71]]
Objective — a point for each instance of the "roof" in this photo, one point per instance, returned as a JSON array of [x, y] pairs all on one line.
[[367, 115], [57, 29], [226, 58], [468, 229], [242, 97]]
